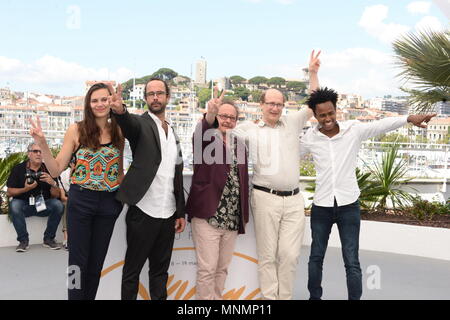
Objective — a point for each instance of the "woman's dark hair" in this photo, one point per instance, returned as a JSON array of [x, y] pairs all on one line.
[[88, 130], [322, 95]]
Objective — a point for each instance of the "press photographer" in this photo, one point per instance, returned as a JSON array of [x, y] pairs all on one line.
[[34, 193]]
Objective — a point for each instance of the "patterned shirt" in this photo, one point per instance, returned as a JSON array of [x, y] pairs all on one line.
[[228, 212], [97, 170]]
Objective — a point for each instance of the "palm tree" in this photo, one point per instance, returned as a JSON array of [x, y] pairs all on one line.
[[369, 191], [381, 183], [425, 60], [388, 175], [6, 165]]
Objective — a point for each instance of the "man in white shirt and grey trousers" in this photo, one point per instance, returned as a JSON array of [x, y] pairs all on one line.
[[334, 147], [277, 205]]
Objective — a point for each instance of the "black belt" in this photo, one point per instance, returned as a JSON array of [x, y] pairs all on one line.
[[278, 193]]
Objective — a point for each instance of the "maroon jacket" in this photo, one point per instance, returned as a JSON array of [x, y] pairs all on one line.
[[209, 178]]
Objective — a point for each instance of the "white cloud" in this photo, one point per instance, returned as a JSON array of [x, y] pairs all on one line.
[[372, 20], [363, 71], [444, 5], [7, 64], [55, 75], [419, 7], [49, 70], [429, 23]]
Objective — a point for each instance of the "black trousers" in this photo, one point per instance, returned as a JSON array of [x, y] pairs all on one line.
[[91, 216], [147, 238]]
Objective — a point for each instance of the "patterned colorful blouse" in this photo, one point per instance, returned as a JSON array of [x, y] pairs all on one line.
[[97, 170]]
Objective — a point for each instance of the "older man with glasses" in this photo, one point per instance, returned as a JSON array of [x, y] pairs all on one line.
[[277, 205], [34, 193], [217, 205]]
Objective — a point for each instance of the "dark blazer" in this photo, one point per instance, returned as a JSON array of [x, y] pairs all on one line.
[[208, 180], [142, 134]]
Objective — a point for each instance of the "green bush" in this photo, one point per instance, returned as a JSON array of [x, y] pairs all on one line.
[[426, 210], [307, 169], [6, 165]]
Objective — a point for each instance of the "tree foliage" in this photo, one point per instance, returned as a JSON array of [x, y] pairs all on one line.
[[237, 79], [425, 62], [241, 93], [258, 80], [296, 86], [204, 95], [256, 95], [276, 81], [165, 74]]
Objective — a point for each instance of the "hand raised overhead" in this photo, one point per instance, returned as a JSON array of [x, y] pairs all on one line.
[[314, 62], [115, 99], [36, 131], [213, 106], [215, 102]]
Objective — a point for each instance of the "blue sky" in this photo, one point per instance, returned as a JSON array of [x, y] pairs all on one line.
[[54, 46]]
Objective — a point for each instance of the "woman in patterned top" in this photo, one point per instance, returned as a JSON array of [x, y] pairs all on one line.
[[217, 205], [97, 144]]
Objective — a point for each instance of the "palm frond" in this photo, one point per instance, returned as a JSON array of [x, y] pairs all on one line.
[[424, 60], [389, 175], [424, 101], [6, 165]]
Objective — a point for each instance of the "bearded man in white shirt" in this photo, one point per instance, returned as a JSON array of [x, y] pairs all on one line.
[[152, 189], [334, 147]]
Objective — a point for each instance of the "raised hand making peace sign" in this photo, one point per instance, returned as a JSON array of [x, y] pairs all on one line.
[[213, 105], [36, 132], [314, 65], [314, 62], [115, 100]]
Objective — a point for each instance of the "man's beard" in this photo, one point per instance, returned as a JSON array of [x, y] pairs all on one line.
[[157, 107]]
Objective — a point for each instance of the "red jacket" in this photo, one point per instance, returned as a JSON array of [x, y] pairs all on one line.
[[208, 180]]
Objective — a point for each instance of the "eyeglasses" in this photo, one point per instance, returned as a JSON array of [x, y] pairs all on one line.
[[35, 151], [273, 104], [159, 94], [225, 117]]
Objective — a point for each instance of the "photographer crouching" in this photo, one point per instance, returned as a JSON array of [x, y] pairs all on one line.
[[34, 193]]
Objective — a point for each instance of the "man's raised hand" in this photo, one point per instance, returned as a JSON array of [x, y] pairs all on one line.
[[314, 62], [215, 102], [213, 105]]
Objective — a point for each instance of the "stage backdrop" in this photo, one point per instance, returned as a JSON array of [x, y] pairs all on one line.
[[242, 281]]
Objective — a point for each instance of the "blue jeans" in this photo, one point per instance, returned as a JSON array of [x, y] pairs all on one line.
[[20, 209], [348, 220]]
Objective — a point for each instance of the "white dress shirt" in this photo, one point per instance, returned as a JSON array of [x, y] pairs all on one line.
[[275, 152], [159, 200], [335, 158]]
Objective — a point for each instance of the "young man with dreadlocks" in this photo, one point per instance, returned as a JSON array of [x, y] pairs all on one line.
[[334, 147]]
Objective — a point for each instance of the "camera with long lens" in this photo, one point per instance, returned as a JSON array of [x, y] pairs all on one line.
[[32, 176]]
